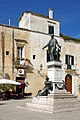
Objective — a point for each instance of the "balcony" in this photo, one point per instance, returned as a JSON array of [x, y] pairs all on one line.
[[23, 64], [70, 67]]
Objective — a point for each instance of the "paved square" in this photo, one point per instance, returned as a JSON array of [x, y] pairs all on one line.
[[16, 110]]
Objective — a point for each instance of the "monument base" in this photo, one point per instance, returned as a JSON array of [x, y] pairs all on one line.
[[41, 103], [54, 102], [58, 99], [55, 75]]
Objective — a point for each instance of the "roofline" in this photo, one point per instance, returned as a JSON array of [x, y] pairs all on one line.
[[15, 27], [36, 14], [65, 37]]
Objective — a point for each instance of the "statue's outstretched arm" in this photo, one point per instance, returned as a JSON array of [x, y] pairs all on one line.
[[45, 46]]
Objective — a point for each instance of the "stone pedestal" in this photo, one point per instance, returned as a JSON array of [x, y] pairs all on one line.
[[55, 75]]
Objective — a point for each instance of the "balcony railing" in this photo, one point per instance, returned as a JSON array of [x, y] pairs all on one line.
[[70, 67], [22, 63]]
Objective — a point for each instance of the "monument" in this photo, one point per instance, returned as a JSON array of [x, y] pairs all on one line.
[[54, 64], [44, 99]]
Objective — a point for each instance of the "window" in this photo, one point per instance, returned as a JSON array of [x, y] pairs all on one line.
[[69, 60], [51, 30], [34, 56], [7, 52], [19, 52]]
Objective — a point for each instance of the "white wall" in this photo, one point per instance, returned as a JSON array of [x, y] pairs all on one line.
[[38, 23]]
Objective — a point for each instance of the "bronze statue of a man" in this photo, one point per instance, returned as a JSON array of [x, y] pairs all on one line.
[[53, 49]]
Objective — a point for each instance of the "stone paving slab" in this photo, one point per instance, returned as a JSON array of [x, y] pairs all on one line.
[[12, 110]]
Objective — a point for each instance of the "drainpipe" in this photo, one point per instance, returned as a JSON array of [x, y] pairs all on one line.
[[13, 54], [3, 49]]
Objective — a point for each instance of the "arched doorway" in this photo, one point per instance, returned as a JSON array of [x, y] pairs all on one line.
[[68, 83]]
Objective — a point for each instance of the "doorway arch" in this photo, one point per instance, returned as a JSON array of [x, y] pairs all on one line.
[[68, 83]]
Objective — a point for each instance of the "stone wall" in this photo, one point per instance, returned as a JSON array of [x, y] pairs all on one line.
[[35, 22], [34, 42]]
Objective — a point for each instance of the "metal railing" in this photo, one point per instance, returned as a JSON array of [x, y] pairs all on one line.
[[22, 61]]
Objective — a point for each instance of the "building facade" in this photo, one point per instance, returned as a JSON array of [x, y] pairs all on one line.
[[69, 47], [14, 62], [23, 59]]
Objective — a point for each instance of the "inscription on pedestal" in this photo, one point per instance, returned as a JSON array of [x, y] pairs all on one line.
[[55, 71], [55, 74]]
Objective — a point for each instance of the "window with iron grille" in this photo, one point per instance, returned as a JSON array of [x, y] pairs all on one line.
[[69, 60]]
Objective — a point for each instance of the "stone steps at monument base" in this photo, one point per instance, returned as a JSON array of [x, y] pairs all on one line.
[[61, 95], [54, 102], [46, 104], [67, 103], [56, 107], [39, 107], [51, 100], [65, 100], [43, 100]]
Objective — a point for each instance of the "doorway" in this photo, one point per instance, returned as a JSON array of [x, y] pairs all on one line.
[[20, 88], [68, 83]]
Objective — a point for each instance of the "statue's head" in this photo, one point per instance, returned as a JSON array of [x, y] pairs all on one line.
[[52, 36], [47, 78]]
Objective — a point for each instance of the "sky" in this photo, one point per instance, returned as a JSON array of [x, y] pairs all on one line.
[[66, 11]]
